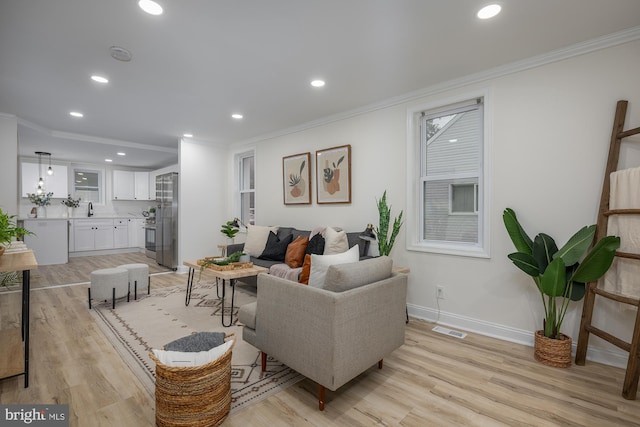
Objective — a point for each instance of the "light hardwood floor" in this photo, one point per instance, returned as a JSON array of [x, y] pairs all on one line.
[[433, 380]]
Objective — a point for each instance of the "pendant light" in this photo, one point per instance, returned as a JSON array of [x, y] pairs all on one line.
[[40, 189]]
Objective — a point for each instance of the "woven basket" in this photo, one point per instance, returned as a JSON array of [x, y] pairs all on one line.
[[196, 395], [552, 352]]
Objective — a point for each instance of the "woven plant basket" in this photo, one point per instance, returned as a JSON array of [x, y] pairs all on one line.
[[552, 352], [195, 396]]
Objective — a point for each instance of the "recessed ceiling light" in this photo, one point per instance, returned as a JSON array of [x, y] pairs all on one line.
[[237, 116], [188, 135], [489, 11], [120, 153], [76, 114], [151, 7], [108, 160], [99, 79], [317, 83], [84, 178], [80, 173], [453, 140]]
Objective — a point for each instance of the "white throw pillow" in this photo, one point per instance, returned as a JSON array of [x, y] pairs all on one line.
[[335, 242], [320, 264], [194, 358], [257, 239]]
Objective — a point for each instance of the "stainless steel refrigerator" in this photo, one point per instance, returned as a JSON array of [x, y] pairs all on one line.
[[167, 220]]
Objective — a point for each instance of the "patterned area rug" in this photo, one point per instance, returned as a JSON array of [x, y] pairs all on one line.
[[136, 327]]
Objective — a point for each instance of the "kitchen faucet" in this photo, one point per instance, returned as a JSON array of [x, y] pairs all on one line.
[[90, 209]]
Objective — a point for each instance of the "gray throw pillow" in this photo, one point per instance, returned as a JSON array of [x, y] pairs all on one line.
[[200, 341]]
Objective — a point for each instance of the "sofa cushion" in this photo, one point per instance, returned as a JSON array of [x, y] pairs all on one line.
[[340, 278], [315, 245], [275, 249], [306, 270], [257, 239], [335, 242], [320, 264], [247, 314], [295, 252]]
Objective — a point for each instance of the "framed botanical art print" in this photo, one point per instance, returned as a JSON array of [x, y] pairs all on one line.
[[296, 179], [333, 175]]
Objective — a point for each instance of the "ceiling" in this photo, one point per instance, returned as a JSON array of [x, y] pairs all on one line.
[[203, 60]]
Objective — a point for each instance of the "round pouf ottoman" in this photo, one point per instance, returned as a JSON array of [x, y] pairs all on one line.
[[109, 283], [138, 276]]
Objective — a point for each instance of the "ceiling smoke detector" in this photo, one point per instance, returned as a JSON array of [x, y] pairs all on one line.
[[120, 53]]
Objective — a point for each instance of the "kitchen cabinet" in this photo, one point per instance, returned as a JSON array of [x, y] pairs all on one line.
[[129, 185], [49, 243], [94, 234], [120, 233], [58, 183], [136, 232]]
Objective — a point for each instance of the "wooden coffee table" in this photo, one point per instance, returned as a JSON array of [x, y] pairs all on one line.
[[224, 275]]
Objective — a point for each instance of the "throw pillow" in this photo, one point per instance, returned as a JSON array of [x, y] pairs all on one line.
[[315, 245], [335, 241], [295, 252], [306, 270], [257, 239], [344, 277], [200, 341], [320, 264], [275, 248], [180, 358]]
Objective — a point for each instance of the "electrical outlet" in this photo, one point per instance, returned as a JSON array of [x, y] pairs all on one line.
[[440, 292]]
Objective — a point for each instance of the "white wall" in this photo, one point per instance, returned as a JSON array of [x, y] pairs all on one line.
[[551, 128], [9, 164], [203, 193]]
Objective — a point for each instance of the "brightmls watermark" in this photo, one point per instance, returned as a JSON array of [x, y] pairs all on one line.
[[36, 415]]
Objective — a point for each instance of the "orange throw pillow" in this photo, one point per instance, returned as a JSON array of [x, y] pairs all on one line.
[[306, 270], [295, 252]]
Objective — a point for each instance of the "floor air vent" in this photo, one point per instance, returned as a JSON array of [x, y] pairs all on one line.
[[450, 332]]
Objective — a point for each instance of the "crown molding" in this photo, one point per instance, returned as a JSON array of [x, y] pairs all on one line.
[[582, 48], [94, 139]]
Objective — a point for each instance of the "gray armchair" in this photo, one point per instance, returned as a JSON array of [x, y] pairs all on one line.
[[333, 334]]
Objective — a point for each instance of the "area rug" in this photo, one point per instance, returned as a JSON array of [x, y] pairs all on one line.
[[136, 327]]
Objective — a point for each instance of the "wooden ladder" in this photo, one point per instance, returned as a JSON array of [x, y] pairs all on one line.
[[630, 386]]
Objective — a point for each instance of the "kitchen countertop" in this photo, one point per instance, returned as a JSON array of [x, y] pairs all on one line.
[[82, 218]]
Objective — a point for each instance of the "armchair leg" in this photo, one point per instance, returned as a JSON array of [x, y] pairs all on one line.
[[113, 299], [321, 397], [89, 289], [380, 364], [264, 360]]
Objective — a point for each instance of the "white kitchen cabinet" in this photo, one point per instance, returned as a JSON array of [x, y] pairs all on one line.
[[58, 183], [94, 234], [123, 185], [141, 181], [129, 185], [136, 232], [121, 233]]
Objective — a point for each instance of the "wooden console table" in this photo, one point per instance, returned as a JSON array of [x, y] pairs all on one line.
[[10, 338]]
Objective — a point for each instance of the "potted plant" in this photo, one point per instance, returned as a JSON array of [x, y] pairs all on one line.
[[9, 230], [560, 276], [70, 204], [40, 200], [385, 242], [229, 230]]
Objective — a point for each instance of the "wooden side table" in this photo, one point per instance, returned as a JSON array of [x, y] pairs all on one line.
[[17, 261]]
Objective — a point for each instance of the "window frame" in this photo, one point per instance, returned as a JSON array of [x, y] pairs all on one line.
[[415, 181]]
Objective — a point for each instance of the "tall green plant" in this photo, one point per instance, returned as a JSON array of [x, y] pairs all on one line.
[[384, 245], [559, 273]]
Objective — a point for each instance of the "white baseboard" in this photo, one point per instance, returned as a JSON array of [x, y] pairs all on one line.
[[506, 333]]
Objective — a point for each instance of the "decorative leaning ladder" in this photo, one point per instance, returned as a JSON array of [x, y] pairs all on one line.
[[630, 387]]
